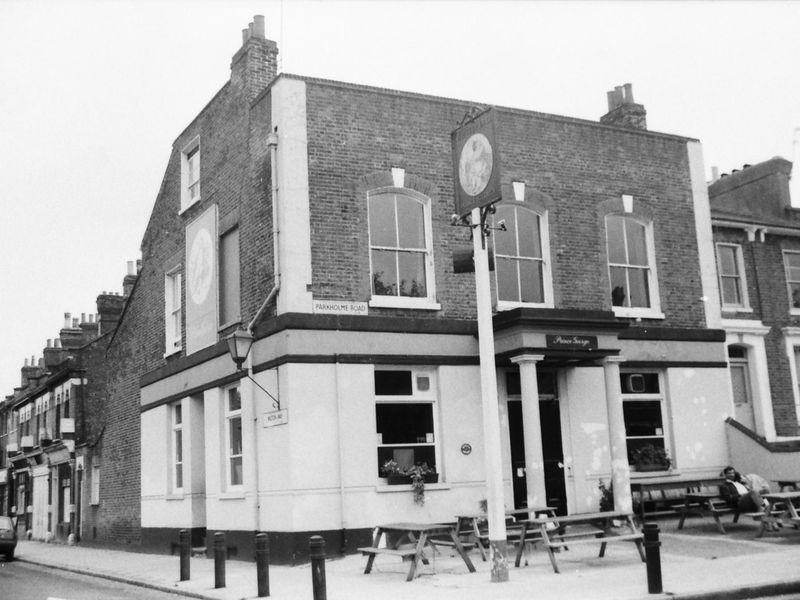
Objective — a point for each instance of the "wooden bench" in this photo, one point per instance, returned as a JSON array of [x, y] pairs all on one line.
[[556, 539], [664, 495], [406, 551]]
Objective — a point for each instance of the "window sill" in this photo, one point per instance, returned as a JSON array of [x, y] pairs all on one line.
[[169, 353], [737, 309], [397, 302], [232, 495], [188, 206], [385, 488], [638, 313], [508, 305], [170, 497]]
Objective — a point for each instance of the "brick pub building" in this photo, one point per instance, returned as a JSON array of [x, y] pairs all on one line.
[[317, 214]]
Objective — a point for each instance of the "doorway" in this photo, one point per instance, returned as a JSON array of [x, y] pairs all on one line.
[[552, 449]]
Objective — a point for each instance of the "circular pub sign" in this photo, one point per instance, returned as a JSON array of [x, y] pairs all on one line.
[[466, 449]]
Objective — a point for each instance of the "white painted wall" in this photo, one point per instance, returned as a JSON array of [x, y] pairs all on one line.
[[154, 468]]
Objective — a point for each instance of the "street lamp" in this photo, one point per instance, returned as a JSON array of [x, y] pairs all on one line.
[[239, 344]]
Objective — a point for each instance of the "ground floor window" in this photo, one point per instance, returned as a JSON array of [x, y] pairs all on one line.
[[405, 417], [643, 411], [233, 435]]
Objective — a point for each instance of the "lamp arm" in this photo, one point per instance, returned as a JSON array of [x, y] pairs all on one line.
[[275, 402]]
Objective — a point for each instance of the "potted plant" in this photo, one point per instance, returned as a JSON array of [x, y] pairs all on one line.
[[417, 475], [650, 458]]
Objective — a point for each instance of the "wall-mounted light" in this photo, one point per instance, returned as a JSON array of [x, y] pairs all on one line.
[[239, 344]]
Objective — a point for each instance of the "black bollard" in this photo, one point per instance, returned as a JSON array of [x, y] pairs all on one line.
[[219, 560], [185, 544], [316, 552], [652, 553], [262, 564]]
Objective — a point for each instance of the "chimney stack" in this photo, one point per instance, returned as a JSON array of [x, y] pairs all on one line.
[[29, 372], [255, 65], [109, 309], [623, 111]]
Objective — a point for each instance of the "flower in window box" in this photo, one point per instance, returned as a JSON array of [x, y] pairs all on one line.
[[417, 475], [650, 458]]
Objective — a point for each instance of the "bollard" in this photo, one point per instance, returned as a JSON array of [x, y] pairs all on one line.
[[185, 545], [316, 546], [652, 555], [219, 560], [262, 564]]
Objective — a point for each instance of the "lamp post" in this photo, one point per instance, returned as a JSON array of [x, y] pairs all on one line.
[[239, 344]]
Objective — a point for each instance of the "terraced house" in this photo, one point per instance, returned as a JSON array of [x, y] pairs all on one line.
[[316, 216]]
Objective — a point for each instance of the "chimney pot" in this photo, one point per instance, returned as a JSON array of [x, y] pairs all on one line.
[[245, 35], [75, 323], [67, 319], [49, 343], [714, 174], [131, 267], [57, 343], [628, 93], [258, 27], [25, 364], [83, 317]]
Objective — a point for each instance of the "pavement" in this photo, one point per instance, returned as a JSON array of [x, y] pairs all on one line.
[[697, 563]]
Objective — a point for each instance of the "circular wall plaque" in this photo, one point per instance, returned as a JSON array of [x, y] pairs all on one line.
[[466, 448]]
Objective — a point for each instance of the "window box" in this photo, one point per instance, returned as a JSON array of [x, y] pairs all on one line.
[[406, 479]]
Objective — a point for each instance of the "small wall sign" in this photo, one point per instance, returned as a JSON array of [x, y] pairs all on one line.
[[572, 342], [276, 417], [339, 307], [466, 449]]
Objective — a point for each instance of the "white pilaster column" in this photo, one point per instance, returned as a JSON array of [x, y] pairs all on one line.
[[620, 471], [532, 429]]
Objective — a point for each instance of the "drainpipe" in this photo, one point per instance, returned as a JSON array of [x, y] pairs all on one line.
[[337, 391], [272, 142]]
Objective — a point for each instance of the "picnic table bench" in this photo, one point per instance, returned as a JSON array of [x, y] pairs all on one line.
[[410, 543], [586, 528], [666, 494], [781, 510], [703, 503]]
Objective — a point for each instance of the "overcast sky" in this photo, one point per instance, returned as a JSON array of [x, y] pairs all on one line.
[[92, 94]]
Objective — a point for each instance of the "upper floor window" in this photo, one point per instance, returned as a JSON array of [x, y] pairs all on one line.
[[190, 174], [401, 255], [172, 311], [229, 277], [631, 267], [233, 437], [732, 285], [522, 257], [791, 263]]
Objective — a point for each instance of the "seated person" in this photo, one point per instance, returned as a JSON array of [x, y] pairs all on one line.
[[737, 492]]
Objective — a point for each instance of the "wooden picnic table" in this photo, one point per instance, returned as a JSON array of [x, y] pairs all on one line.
[[665, 493], [702, 503], [781, 510], [411, 542], [469, 525], [563, 531]]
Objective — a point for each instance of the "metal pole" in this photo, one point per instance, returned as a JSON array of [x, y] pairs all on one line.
[[316, 552], [495, 505], [185, 545], [219, 560], [652, 555], [262, 564]]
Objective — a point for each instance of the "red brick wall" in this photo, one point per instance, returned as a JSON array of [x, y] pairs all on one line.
[[354, 132]]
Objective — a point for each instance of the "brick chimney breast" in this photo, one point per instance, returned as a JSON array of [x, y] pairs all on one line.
[[623, 111], [255, 65]]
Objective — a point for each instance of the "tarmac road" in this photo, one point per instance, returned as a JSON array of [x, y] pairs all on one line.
[[21, 581]]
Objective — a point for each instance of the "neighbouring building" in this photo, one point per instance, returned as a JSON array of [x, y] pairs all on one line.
[[317, 215], [50, 427], [757, 237]]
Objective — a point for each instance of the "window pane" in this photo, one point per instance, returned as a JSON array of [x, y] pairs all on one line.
[[741, 394], [384, 273], [637, 245], [179, 446], [730, 291], [178, 414], [410, 223], [727, 260], [642, 418], [412, 274], [505, 242], [795, 289], [507, 281], [616, 240], [234, 400], [407, 456], [530, 244], [235, 435], [792, 259], [178, 476], [404, 423], [531, 281], [393, 383], [639, 293], [619, 286], [236, 470], [382, 231]]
